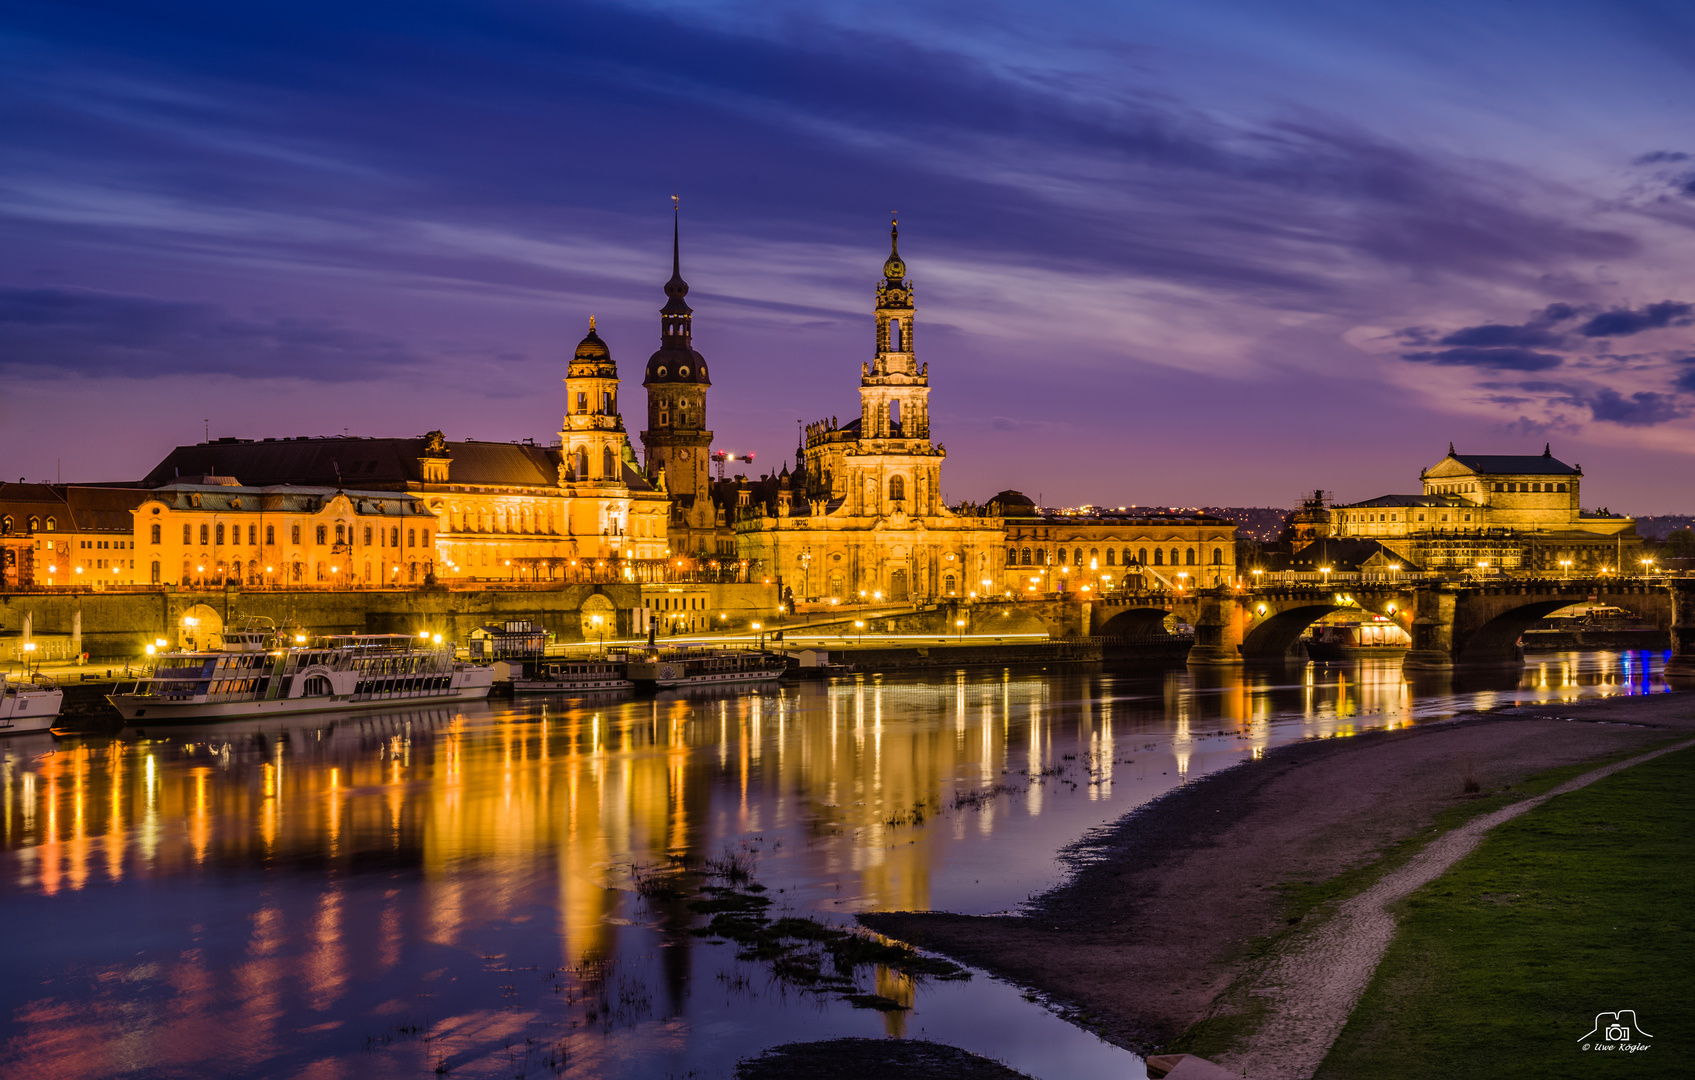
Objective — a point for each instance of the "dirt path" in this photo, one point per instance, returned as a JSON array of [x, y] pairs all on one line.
[[1316, 980]]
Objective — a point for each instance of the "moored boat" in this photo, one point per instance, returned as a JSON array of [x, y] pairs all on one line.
[[262, 673], [659, 668], [29, 701], [573, 676]]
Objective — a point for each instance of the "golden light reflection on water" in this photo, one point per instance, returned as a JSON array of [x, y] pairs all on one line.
[[862, 791]]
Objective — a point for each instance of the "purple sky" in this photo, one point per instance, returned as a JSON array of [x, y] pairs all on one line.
[[1164, 254]]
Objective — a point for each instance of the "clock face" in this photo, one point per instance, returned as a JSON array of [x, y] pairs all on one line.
[[683, 454]]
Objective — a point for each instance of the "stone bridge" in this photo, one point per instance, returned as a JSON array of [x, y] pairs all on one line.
[[1450, 623]]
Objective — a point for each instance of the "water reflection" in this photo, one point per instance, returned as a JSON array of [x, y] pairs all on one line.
[[378, 894]]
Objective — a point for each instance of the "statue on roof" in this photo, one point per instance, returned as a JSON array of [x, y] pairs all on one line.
[[435, 444]]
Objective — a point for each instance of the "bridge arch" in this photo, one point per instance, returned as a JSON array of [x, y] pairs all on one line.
[[1496, 640], [1135, 623], [1275, 636]]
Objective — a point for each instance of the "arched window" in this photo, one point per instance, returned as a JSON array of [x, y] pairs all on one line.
[[895, 338], [425, 539], [252, 535], [219, 534], [323, 533], [188, 534], [340, 533], [1189, 556], [1041, 556], [34, 524], [1026, 556], [411, 538], [367, 540], [1012, 556], [270, 534], [1076, 556], [581, 471], [1159, 556], [205, 533], [155, 565], [1218, 556], [897, 488], [187, 571], [394, 537], [1141, 556], [294, 536], [1174, 557], [154, 534], [52, 523], [1094, 556], [608, 463], [1111, 557]]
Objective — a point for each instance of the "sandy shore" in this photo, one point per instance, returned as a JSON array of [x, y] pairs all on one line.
[[1156, 922]]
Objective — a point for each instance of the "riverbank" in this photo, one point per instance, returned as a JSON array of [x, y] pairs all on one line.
[[1170, 905], [1517, 947]]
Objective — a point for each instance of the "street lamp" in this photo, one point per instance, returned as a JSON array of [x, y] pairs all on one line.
[[1325, 570], [600, 628], [29, 654], [859, 624], [960, 625], [760, 631], [1482, 566], [1565, 567]]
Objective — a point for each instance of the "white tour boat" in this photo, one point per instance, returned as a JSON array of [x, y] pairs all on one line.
[[572, 677], [28, 702], [262, 673], [704, 667]]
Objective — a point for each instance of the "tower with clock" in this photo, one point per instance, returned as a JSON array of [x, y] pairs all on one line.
[[676, 440]]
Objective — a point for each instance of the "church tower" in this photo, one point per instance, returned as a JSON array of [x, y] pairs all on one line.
[[894, 391], [592, 439], [677, 441]]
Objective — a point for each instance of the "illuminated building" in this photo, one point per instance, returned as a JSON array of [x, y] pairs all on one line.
[[863, 513]]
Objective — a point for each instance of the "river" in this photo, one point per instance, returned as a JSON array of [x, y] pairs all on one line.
[[453, 890]]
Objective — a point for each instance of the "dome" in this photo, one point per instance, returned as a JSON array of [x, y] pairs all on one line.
[[592, 348], [592, 357], [1013, 504], [676, 365]]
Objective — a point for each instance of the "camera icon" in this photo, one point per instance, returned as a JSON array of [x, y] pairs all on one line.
[[1615, 1027], [1617, 1033]]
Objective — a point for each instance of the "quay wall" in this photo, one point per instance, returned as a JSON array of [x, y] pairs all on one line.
[[120, 623]]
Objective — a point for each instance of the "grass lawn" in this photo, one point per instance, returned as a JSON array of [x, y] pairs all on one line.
[[1583, 905]]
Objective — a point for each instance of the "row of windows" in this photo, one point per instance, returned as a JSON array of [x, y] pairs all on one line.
[[105, 545], [1545, 488], [253, 573], [1179, 557], [344, 534], [7, 525]]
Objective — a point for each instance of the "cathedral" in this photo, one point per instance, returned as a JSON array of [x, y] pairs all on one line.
[[863, 512]]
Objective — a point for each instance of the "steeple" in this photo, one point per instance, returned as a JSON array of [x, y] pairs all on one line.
[[894, 387], [676, 316]]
